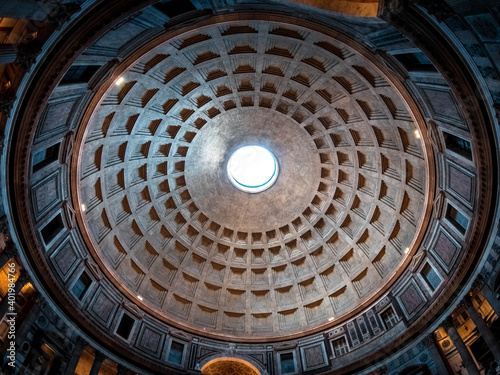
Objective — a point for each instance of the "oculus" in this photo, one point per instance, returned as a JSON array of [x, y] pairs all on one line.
[[252, 169]]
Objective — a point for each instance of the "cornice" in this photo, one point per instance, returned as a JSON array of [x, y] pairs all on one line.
[[43, 79], [425, 34], [86, 30]]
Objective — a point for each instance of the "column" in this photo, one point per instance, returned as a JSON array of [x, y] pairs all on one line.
[[75, 356], [19, 284], [483, 328], [488, 294], [430, 343], [96, 366], [25, 323], [27, 52], [193, 351], [62, 13], [464, 353], [7, 99], [7, 53], [8, 253], [270, 361], [122, 370]]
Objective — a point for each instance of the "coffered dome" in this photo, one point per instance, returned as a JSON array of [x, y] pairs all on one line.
[[172, 232], [368, 246]]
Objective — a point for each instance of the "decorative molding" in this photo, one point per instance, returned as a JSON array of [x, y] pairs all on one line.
[[180, 335], [62, 13], [435, 136], [439, 204], [285, 345], [417, 260], [67, 148], [94, 268], [7, 99], [70, 213], [134, 309], [27, 53]]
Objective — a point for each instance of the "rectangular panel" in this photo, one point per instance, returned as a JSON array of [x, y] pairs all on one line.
[[444, 248], [411, 299], [103, 306], [46, 194], [150, 340], [314, 356], [443, 105], [56, 117], [460, 183], [65, 258]]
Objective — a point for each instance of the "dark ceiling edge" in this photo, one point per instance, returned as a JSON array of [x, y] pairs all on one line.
[[402, 24], [464, 68], [102, 20]]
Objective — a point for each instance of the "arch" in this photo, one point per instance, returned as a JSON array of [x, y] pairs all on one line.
[[359, 8], [229, 365]]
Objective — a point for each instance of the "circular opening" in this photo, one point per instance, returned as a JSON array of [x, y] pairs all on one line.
[[252, 169]]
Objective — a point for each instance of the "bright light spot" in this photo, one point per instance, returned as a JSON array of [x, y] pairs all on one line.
[[120, 81], [252, 169], [407, 250], [417, 134], [84, 208], [140, 297], [331, 319]]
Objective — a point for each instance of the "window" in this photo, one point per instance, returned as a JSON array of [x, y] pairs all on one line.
[[416, 61], [464, 316], [389, 318], [455, 217], [176, 351], [52, 229], [79, 74], [340, 346], [125, 326], [458, 145], [430, 276], [287, 363], [81, 285], [45, 157], [174, 7]]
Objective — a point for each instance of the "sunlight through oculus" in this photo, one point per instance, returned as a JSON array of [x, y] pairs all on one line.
[[252, 169]]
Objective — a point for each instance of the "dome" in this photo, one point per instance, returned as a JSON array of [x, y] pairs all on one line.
[[278, 187], [333, 232]]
